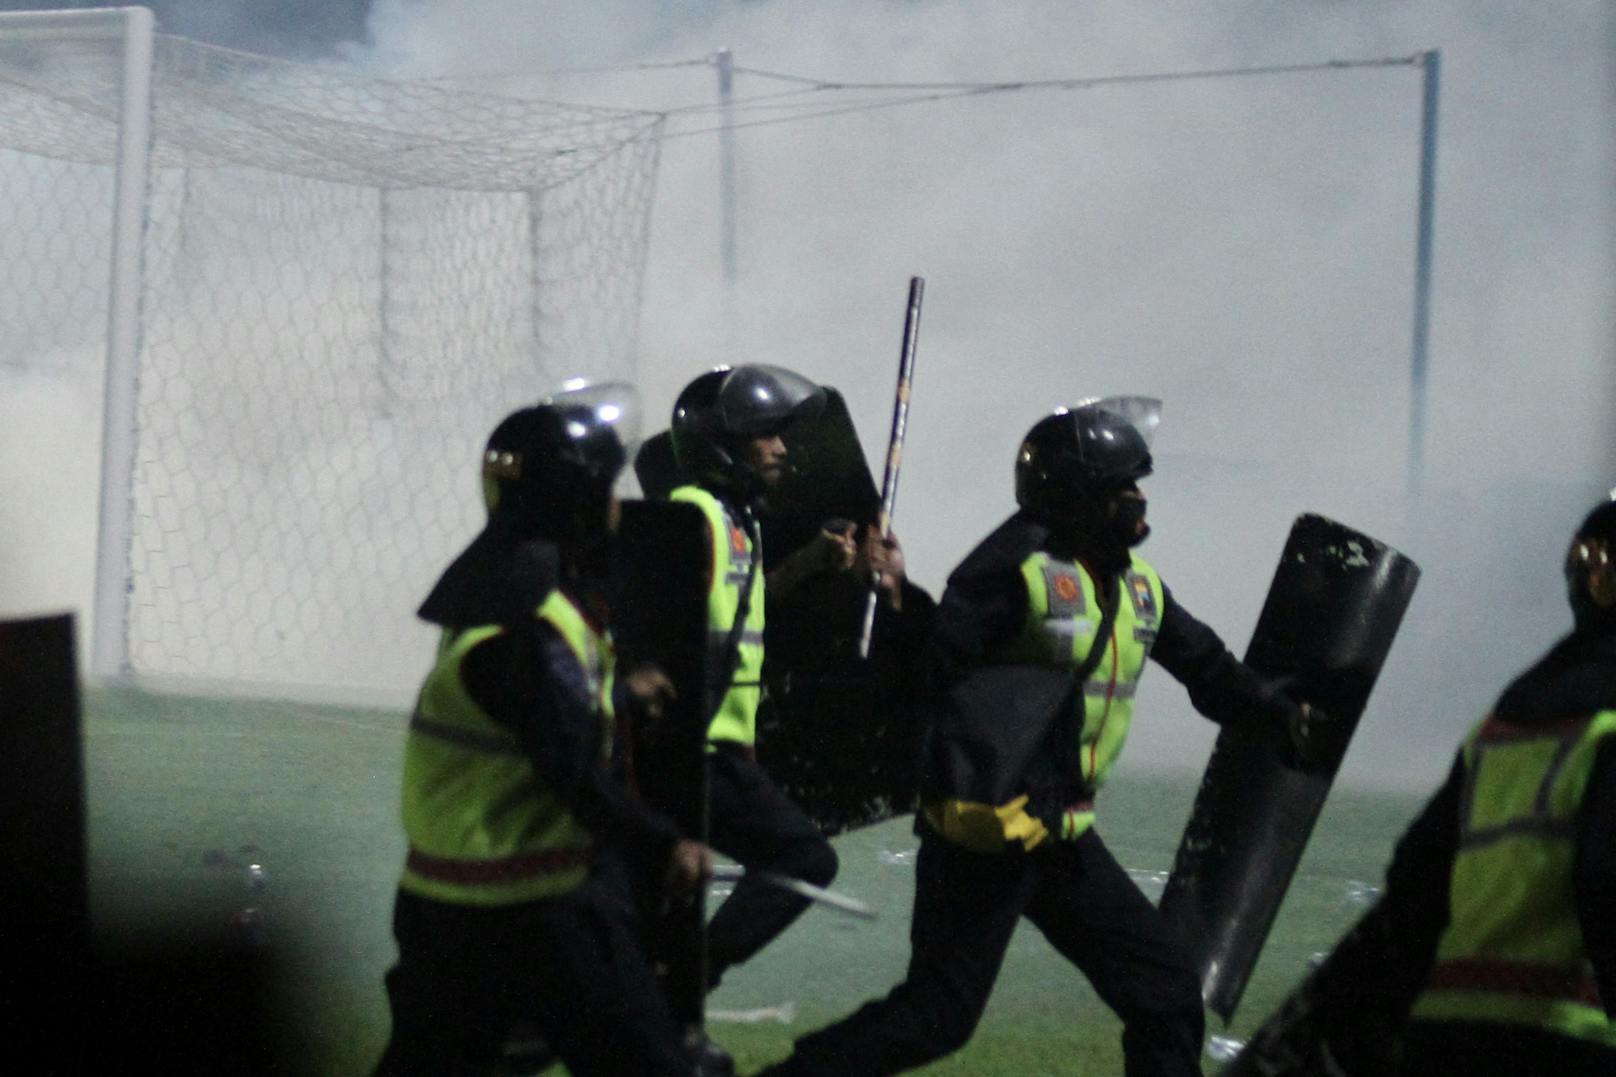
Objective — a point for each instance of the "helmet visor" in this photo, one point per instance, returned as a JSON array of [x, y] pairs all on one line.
[[1143, 413], [595, 406], [759, 400]]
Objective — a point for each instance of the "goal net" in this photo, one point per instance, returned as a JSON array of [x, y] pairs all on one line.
[[324, 290]]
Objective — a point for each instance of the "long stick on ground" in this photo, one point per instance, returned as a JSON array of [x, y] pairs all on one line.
[[900, 420]]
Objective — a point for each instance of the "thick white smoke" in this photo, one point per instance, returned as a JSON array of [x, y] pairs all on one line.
[[1242, 248]]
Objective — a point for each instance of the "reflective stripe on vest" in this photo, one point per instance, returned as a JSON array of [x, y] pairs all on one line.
[[482, 829], [1513, 951], [735, 718], [1062, 626], [1076, 819]]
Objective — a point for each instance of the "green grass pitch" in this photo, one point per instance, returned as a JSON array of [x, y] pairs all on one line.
[[184, 793]]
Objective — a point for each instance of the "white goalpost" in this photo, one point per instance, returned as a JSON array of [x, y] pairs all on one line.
[[307, 295]]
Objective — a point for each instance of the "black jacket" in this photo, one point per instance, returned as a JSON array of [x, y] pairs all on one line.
[[997, 731], [528, 679]]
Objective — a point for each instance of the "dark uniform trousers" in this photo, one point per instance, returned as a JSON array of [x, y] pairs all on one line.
[[574, 967], [967, 906], [1472, 1049], [759, 827]]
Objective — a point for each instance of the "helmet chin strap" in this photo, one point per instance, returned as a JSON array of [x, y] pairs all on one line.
[[744, 482]]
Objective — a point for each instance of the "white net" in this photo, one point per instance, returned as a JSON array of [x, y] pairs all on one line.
[[345, 283]]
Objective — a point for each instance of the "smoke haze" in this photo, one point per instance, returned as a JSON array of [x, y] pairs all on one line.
[[1241, 248]]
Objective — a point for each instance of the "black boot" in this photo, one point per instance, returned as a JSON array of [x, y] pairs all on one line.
[[711, 1060]]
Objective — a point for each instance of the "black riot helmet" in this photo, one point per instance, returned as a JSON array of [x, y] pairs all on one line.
[[1074, 460], [548, 470], [1590, 569], [724, 408]]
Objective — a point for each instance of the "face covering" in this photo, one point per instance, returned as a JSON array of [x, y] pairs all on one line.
[[1127, 521]]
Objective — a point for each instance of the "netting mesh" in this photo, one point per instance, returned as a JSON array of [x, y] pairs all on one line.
[[345, 283]]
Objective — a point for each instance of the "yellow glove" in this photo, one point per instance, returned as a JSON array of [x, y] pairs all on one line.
[[986, 828]]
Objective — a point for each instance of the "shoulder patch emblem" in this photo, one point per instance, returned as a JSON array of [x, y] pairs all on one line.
[[1144, 600], [1066, 588], [1062, 590]]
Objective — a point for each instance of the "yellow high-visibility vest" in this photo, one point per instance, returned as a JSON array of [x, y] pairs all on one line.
[[1513, 952], [733, 556], [1061, 629], [482, 828]]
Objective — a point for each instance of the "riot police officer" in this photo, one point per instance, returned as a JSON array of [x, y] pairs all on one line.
[[1043, 634], [515, 904], [726, 433], [1496, 935]]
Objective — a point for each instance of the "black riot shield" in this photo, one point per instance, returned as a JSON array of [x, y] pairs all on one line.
[[1331, 614], [173, 996], [827, 479], [659, 615], [1347, 1016], [656, 468], [838, 732], [43, 874]]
